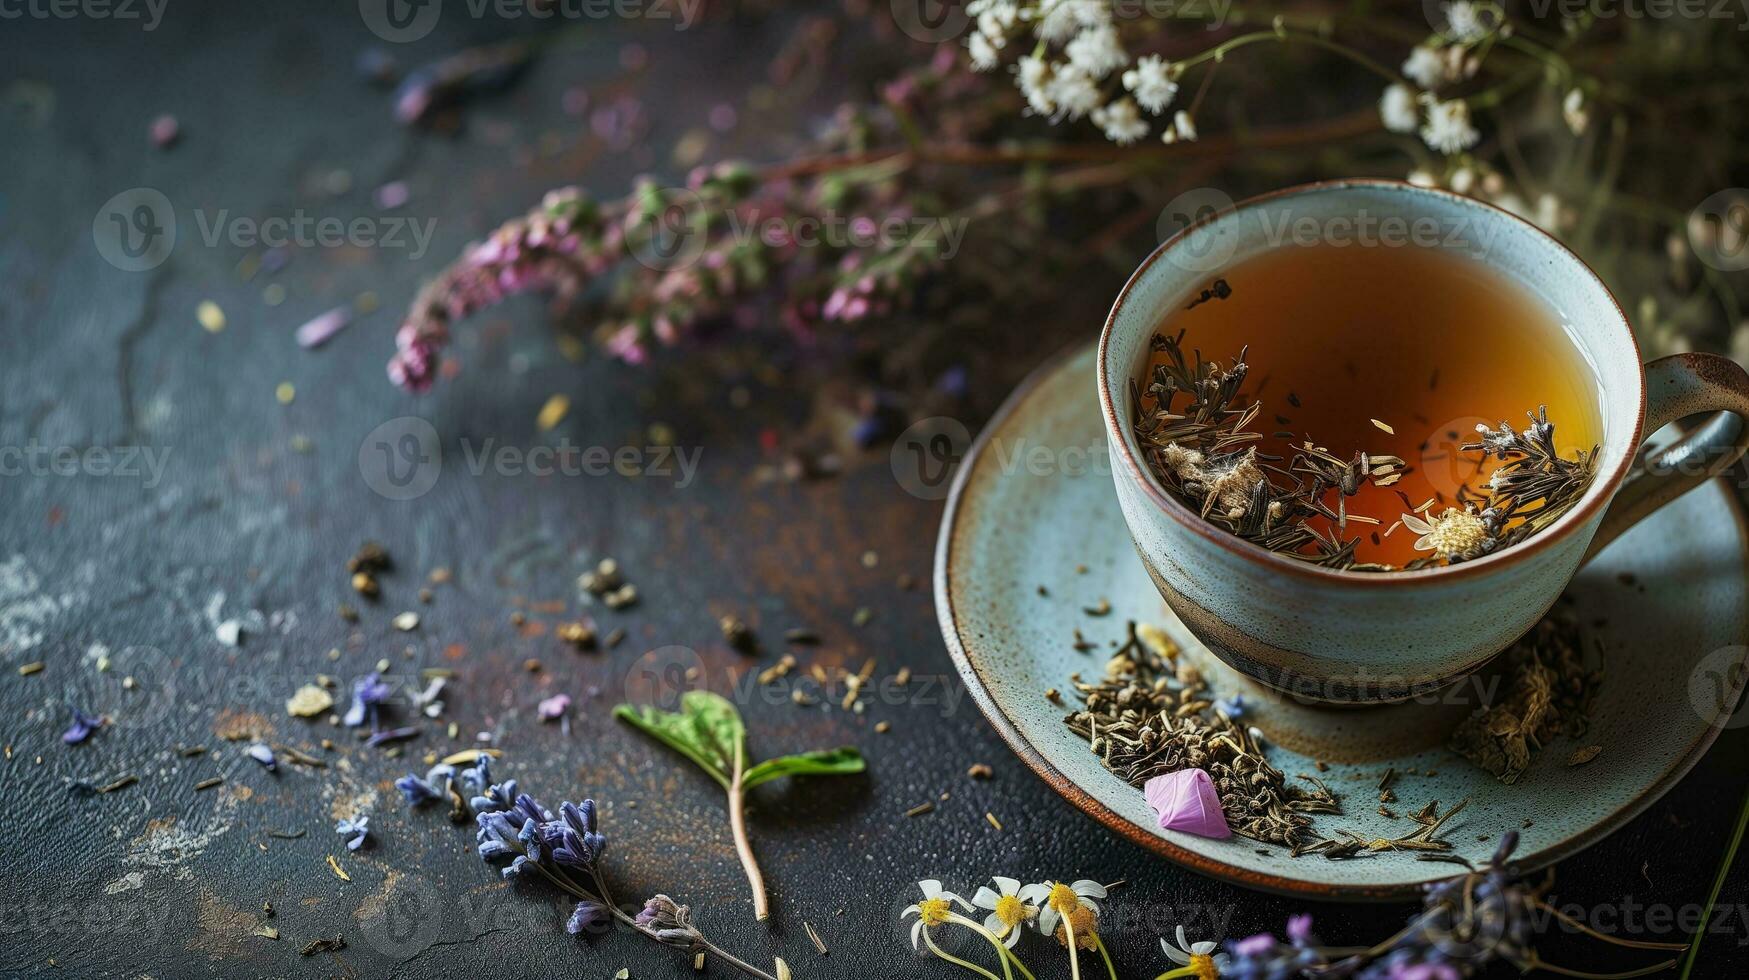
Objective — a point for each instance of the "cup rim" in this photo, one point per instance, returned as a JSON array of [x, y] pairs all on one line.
[[1601, 492]]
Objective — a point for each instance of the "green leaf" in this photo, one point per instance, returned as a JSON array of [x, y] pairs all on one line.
[[678, 732], [826, 762], [717, 725]]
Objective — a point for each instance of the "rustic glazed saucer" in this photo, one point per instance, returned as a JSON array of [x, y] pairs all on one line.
[[1669, 602]]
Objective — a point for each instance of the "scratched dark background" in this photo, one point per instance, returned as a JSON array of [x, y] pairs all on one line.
[[259, 504]]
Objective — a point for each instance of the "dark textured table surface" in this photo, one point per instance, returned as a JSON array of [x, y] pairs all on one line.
[[226, 504]]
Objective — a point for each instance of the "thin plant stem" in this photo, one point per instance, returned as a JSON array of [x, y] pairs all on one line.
[[744, 846], [1587, 930], [1099, 943], [1002, 952], [1718, 884], [944, 954], [1074, 961], [1538, 964], [1284, 36], [565, 884]]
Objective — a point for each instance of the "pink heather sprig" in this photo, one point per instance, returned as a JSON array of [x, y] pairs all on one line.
[[673, 259]]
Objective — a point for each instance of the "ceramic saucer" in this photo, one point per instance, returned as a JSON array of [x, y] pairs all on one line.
[[1033, 506]]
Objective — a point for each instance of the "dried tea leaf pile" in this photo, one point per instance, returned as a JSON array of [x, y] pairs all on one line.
[[1550, 691], [1153, 713]]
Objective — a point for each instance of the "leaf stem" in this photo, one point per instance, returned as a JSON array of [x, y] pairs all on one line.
[[743, 845]]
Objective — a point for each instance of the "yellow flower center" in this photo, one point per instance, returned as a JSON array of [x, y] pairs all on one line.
[[1011, 910], [1457, 533], [934, 911], [1064, 899], [1082, 919], [1204, 965]]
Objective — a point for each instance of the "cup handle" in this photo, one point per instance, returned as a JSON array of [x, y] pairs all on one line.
[[1676, 387]]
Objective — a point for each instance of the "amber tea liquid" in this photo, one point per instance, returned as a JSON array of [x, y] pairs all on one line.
[[1427, 342]]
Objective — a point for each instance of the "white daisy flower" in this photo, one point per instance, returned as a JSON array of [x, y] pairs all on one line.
[[1195, 959], [1056, 900], [1097, 51], [1448, 128], [1398, 110], [1151, 83], [1008, 911], [1121, 122], [1426, 67], [935, 909]]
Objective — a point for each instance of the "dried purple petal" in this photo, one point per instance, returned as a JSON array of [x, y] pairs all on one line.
[[264, 755], [356, 831], [317, 331], [553, 708], [388, 735]]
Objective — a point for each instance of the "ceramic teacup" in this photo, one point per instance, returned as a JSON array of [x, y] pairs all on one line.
[[1347, 637]]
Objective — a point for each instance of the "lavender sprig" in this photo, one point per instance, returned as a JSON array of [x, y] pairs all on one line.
[[566, 850], [1467, 924]]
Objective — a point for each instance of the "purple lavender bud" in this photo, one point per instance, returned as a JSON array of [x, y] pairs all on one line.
[[81, 728], [368, 692], [587, 917]]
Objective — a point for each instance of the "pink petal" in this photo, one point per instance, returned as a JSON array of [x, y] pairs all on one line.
[[1186, 800], [317, 331]]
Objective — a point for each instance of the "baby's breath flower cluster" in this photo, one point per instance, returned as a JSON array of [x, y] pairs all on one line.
[[1077, 66]]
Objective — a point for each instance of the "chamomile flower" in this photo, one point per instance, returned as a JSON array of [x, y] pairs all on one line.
[[1150, 81], [1455, 535], [1199, 960], [1448, 128], [1057, 901], [936, 909], [1008, 911], [1398, 110]]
